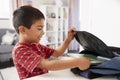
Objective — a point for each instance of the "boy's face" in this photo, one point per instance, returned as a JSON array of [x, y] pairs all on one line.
[[35, 33]]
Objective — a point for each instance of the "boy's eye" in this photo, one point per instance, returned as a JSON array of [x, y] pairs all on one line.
[[40, 29]]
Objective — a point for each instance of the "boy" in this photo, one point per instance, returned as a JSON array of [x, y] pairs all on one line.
[[30, 57]]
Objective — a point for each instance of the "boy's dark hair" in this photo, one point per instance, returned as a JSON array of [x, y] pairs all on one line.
[[26, 16]]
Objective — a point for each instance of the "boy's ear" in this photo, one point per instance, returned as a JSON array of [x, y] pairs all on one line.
[[22, 29]]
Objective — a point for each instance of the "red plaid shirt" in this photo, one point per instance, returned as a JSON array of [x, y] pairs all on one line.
[[27, 56]]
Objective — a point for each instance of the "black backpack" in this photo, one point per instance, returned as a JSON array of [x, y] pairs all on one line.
[[96, 47]]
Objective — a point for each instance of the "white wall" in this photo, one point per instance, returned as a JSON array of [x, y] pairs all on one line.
[[4, 23], [4, 13], [102, 18], [7, 23]]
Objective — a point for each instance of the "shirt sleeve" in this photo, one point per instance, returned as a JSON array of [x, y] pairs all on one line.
[[28, 59], [47, 51]]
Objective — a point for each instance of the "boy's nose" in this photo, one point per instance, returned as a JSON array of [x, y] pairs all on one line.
[[43, 32]]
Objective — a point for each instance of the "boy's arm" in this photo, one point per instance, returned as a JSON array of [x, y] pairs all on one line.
[[82, 63], [61, 49]]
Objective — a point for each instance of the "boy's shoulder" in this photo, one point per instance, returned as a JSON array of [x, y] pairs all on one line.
[[20, 46], [26, 45]]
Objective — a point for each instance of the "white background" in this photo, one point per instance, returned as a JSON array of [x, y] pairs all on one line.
[[4, 9], [102, 18]]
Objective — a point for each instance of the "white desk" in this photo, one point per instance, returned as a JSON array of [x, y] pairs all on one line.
[[64, 75]]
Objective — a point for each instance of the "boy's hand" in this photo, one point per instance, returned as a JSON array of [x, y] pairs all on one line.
[[71, 33], [84, 63]]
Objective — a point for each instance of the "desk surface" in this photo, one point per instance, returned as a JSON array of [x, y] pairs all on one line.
[[64, 75]]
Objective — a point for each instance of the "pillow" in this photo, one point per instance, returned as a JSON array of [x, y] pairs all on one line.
[[8, 38]]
